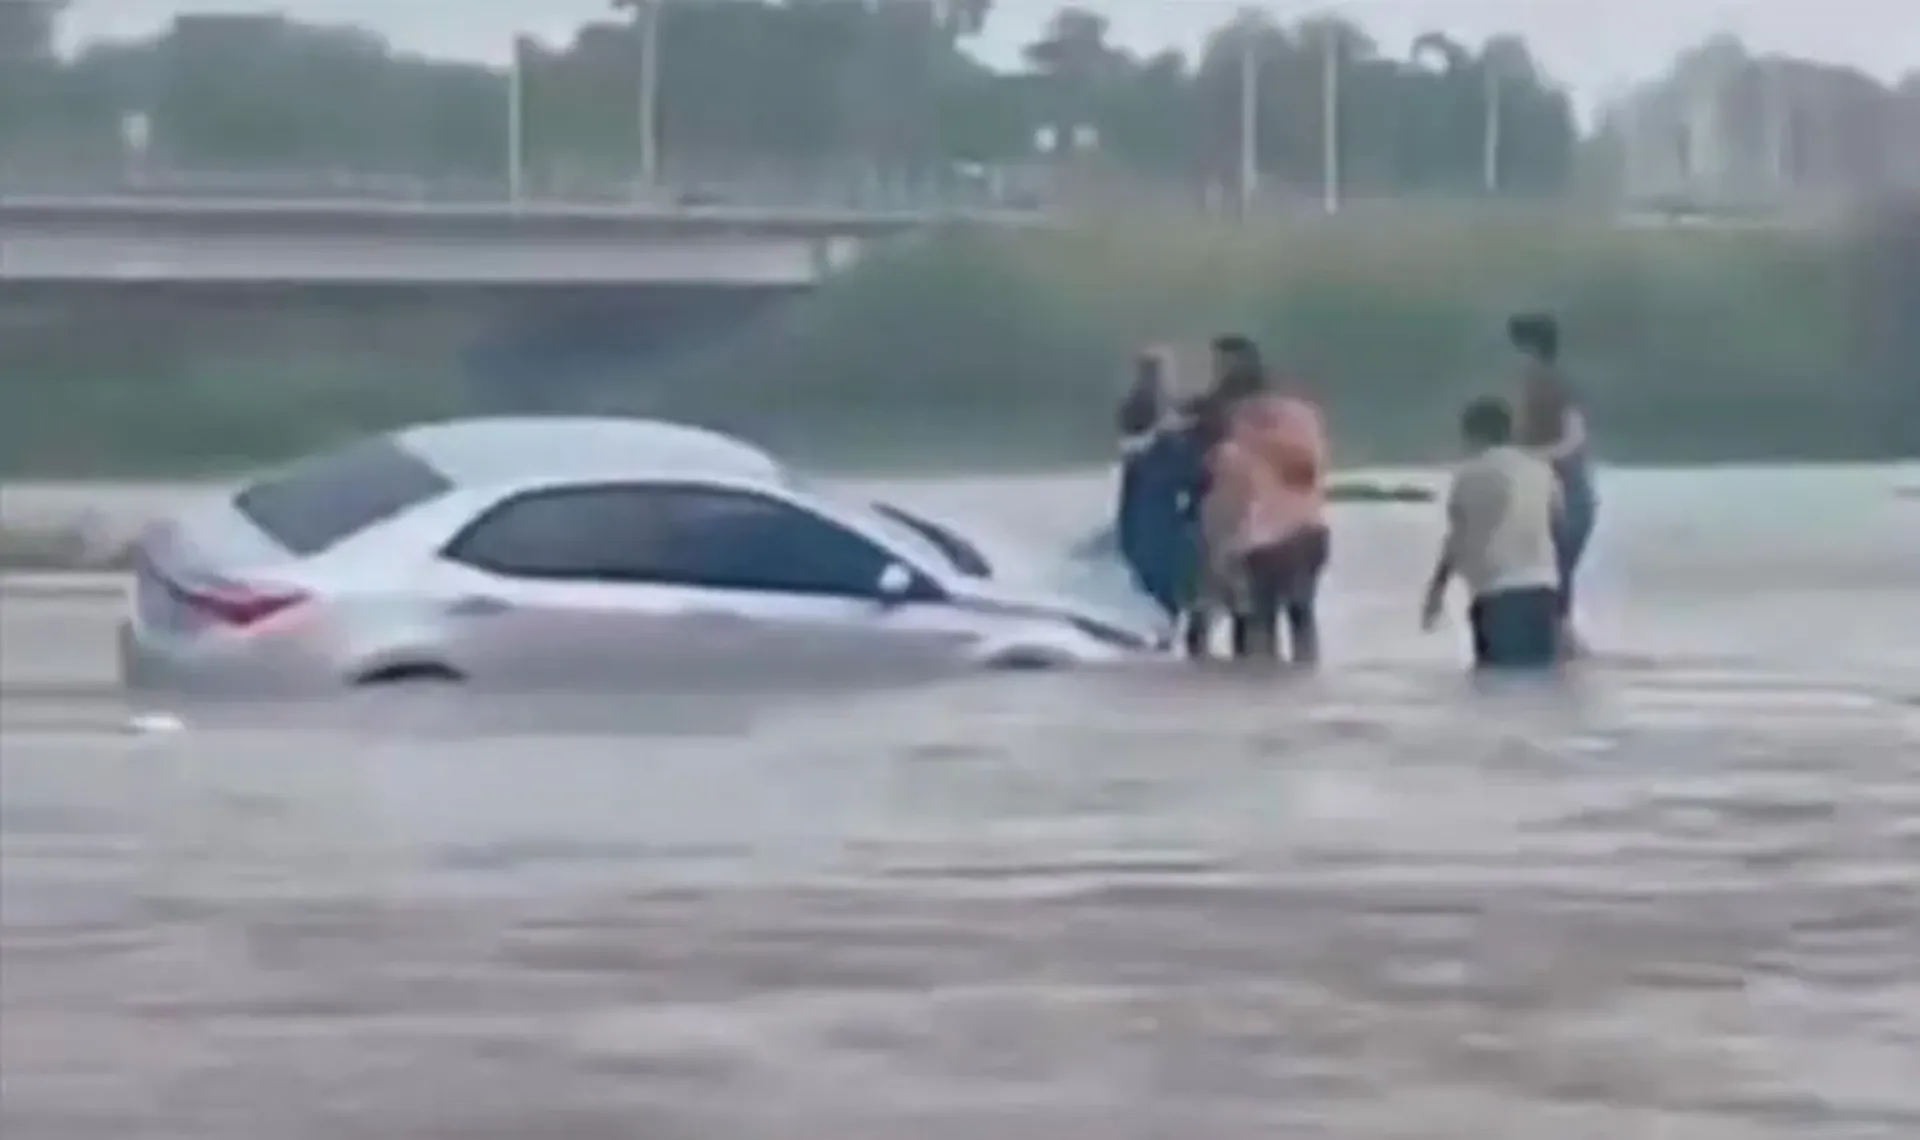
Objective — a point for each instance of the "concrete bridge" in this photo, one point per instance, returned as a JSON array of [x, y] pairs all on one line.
[[108, 240], [533, 306]]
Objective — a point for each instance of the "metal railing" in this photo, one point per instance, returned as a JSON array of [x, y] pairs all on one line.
[[927, 195], [751, 194]]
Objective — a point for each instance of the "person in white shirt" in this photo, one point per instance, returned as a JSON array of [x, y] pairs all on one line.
[[1500, 543]]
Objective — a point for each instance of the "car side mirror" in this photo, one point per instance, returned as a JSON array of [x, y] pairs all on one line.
[[893, 585]]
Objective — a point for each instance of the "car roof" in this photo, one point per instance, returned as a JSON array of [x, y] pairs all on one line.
[[509, 449]]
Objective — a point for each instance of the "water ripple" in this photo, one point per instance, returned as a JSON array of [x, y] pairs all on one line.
[[1106, 908]]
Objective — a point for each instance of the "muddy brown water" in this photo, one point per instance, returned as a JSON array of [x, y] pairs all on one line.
[[1677, 896]]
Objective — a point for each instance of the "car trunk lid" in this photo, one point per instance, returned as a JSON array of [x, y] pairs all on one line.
[[210, 569]]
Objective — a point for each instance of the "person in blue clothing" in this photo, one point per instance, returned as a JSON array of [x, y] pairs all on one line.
[[1553, 426], [1162, 475]]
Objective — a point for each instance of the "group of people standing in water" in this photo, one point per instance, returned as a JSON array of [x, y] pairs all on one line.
[[1222, 508]]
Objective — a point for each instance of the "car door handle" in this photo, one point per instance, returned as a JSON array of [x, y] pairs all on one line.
[[478, 605]]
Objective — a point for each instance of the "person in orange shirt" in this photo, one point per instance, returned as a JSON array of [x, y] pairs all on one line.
[[1267, 529], [1219, 585]]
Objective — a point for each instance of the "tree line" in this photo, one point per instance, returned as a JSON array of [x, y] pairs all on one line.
[[803, 87], [891, 93]]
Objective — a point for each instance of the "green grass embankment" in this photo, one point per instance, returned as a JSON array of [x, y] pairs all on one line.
[[991, 349]]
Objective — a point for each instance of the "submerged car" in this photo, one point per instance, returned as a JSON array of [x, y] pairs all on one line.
[[533, 552]]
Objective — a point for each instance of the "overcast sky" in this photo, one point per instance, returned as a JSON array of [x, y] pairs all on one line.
[[1596, 45]]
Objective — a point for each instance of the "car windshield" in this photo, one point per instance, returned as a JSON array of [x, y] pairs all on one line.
[[958, 552], [936, 543]]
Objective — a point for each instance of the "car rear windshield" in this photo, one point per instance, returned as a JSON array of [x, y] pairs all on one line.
[[319, 502]]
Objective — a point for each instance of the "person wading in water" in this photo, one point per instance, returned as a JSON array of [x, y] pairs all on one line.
[[1264, 522], [1501, 513], [1551, 425], [1162, 477]]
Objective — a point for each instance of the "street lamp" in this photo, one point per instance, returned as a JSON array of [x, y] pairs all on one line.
[[1490, 131], [1779, 119], [517, 121], [1249, 119], [1330, 192], [646, 25]]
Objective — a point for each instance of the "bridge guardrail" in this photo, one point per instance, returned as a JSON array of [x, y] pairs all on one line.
[[59, 207]]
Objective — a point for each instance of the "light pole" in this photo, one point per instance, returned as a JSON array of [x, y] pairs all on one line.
[[1490, 133], [1779, 126], [1330, 122], [1249, 119], [517, 121], [646, 14], [646, 29], [1702, 134]]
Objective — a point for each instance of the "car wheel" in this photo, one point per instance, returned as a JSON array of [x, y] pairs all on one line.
[[410, 674], [409, 699], [1025, 660]]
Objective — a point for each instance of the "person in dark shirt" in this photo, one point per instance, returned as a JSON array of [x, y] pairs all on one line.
[[1553, 426], [1160, 480], [1144, 407]]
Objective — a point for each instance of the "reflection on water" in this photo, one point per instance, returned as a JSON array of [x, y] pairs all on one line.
[[1672, 897]]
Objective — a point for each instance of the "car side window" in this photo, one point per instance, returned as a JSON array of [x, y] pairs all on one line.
[[587, 533], [675, 535], [737, 540]]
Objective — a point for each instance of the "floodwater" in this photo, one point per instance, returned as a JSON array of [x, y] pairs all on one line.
[[1677, 896]]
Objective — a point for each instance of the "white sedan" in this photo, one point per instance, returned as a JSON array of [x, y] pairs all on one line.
[[570, 552]]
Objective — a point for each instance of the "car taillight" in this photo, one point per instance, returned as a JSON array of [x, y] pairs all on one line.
[[241, 606]]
